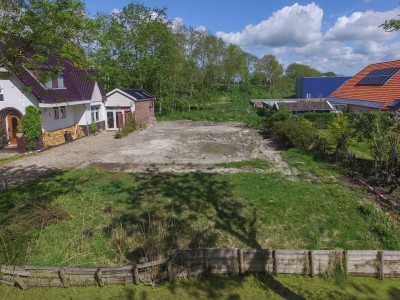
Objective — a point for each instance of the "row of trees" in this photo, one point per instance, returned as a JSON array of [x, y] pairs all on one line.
[[138, 47]]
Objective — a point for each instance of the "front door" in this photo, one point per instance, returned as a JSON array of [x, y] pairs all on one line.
[[13, 121]]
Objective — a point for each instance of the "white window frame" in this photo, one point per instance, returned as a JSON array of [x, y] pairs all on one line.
[[63, 112], [95, 113], [56, 113]]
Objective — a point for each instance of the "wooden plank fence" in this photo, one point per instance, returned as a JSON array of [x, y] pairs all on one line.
[[191, 262]]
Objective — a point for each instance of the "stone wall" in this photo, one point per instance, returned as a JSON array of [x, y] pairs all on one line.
[[54, 138]]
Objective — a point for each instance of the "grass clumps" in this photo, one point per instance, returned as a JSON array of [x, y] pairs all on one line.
[[102, 218], [247, 164]]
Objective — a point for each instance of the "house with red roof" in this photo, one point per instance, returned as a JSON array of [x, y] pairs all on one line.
[[68, 102], [376, 87]]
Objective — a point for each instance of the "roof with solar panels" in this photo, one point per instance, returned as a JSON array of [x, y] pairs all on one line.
[[376, 86]]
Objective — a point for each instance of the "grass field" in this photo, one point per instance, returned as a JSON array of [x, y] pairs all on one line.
[[223, 287], [94, 217], [223, 109]]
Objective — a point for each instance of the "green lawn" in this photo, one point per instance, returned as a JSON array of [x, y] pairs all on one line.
[[227, 109], [223, 287], [95, 217]]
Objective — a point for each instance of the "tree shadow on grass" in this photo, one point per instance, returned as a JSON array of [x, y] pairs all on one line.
[[197, 206], [25, 209]]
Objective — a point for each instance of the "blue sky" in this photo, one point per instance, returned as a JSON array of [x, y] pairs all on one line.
[[330, 35]]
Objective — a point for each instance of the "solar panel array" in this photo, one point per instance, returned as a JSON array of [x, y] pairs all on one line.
[[379, 77]]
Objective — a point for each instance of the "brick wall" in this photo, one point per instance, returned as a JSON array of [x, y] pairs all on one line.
[[144, 112]]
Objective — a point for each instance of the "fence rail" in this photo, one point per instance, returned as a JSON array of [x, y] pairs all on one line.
[[191, 262]]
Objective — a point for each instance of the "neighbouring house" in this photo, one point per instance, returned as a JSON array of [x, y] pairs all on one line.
[[70, 101], [376, 87], [121, 102], [300, 106], [318, 87]]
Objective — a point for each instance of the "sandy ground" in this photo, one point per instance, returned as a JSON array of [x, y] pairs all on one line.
[[180, 146]]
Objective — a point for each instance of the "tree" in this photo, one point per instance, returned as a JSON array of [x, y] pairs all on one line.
[[296, 70], [272, 70], [33, 30], [391, 25]]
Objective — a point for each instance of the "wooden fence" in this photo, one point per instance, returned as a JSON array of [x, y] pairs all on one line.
[[191, 262]]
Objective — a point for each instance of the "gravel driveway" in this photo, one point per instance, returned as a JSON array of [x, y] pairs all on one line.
[[181, 146]]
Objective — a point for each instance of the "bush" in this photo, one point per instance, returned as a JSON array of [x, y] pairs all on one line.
[[32, 126], [118, 135], [3, 136], [320, 120], [130, 125], [92, 128], [296, 133]]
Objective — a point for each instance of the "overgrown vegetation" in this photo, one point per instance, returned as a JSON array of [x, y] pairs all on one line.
[[32, 126], [372, 137], [93, 217]]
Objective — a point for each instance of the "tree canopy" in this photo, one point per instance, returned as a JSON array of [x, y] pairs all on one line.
[[33, 30]]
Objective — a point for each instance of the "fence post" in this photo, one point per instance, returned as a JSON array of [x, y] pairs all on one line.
[[5, 183], [240, 261], [381, 264], [346, 262], [311, 261], [136, 274], [99, 277], [20, 283], [169, 270], [205, 257], [63, 278], [275, 262]]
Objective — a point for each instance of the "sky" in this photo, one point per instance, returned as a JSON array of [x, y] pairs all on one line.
[[342, 36]]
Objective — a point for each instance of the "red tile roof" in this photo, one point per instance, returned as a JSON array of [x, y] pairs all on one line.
[[385, 94]]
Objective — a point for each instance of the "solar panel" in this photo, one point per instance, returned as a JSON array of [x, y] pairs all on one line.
[[394, 103], [379, 76]]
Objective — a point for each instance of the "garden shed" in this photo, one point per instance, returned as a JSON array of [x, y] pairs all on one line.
[[121, 102]]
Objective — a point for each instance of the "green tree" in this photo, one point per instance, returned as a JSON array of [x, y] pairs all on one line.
[[340, 133], [296, 70], [271, 69], [31, 31], [391, 25], [32, 126]]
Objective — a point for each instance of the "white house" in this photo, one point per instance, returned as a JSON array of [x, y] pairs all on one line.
[[72, 100]]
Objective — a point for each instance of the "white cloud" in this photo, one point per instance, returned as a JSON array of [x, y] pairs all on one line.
[[361, 26], [294, 25], [294, 34]]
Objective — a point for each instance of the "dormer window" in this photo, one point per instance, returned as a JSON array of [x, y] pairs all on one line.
[[57, 82]]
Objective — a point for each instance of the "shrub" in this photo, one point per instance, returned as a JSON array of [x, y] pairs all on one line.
[[295, 133], [118, 135], [340, 133], [92, 128], [3, 136], [32, 126], [130, 125], [320, 120]]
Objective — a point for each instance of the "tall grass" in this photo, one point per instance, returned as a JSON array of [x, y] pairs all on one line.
[[94, 217]]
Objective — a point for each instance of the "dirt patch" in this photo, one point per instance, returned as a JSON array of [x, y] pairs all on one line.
[[180, 146]]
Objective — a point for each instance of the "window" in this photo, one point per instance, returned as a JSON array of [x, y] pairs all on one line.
[[57, 82], [56, 113], [95, 113], [63, 112]]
